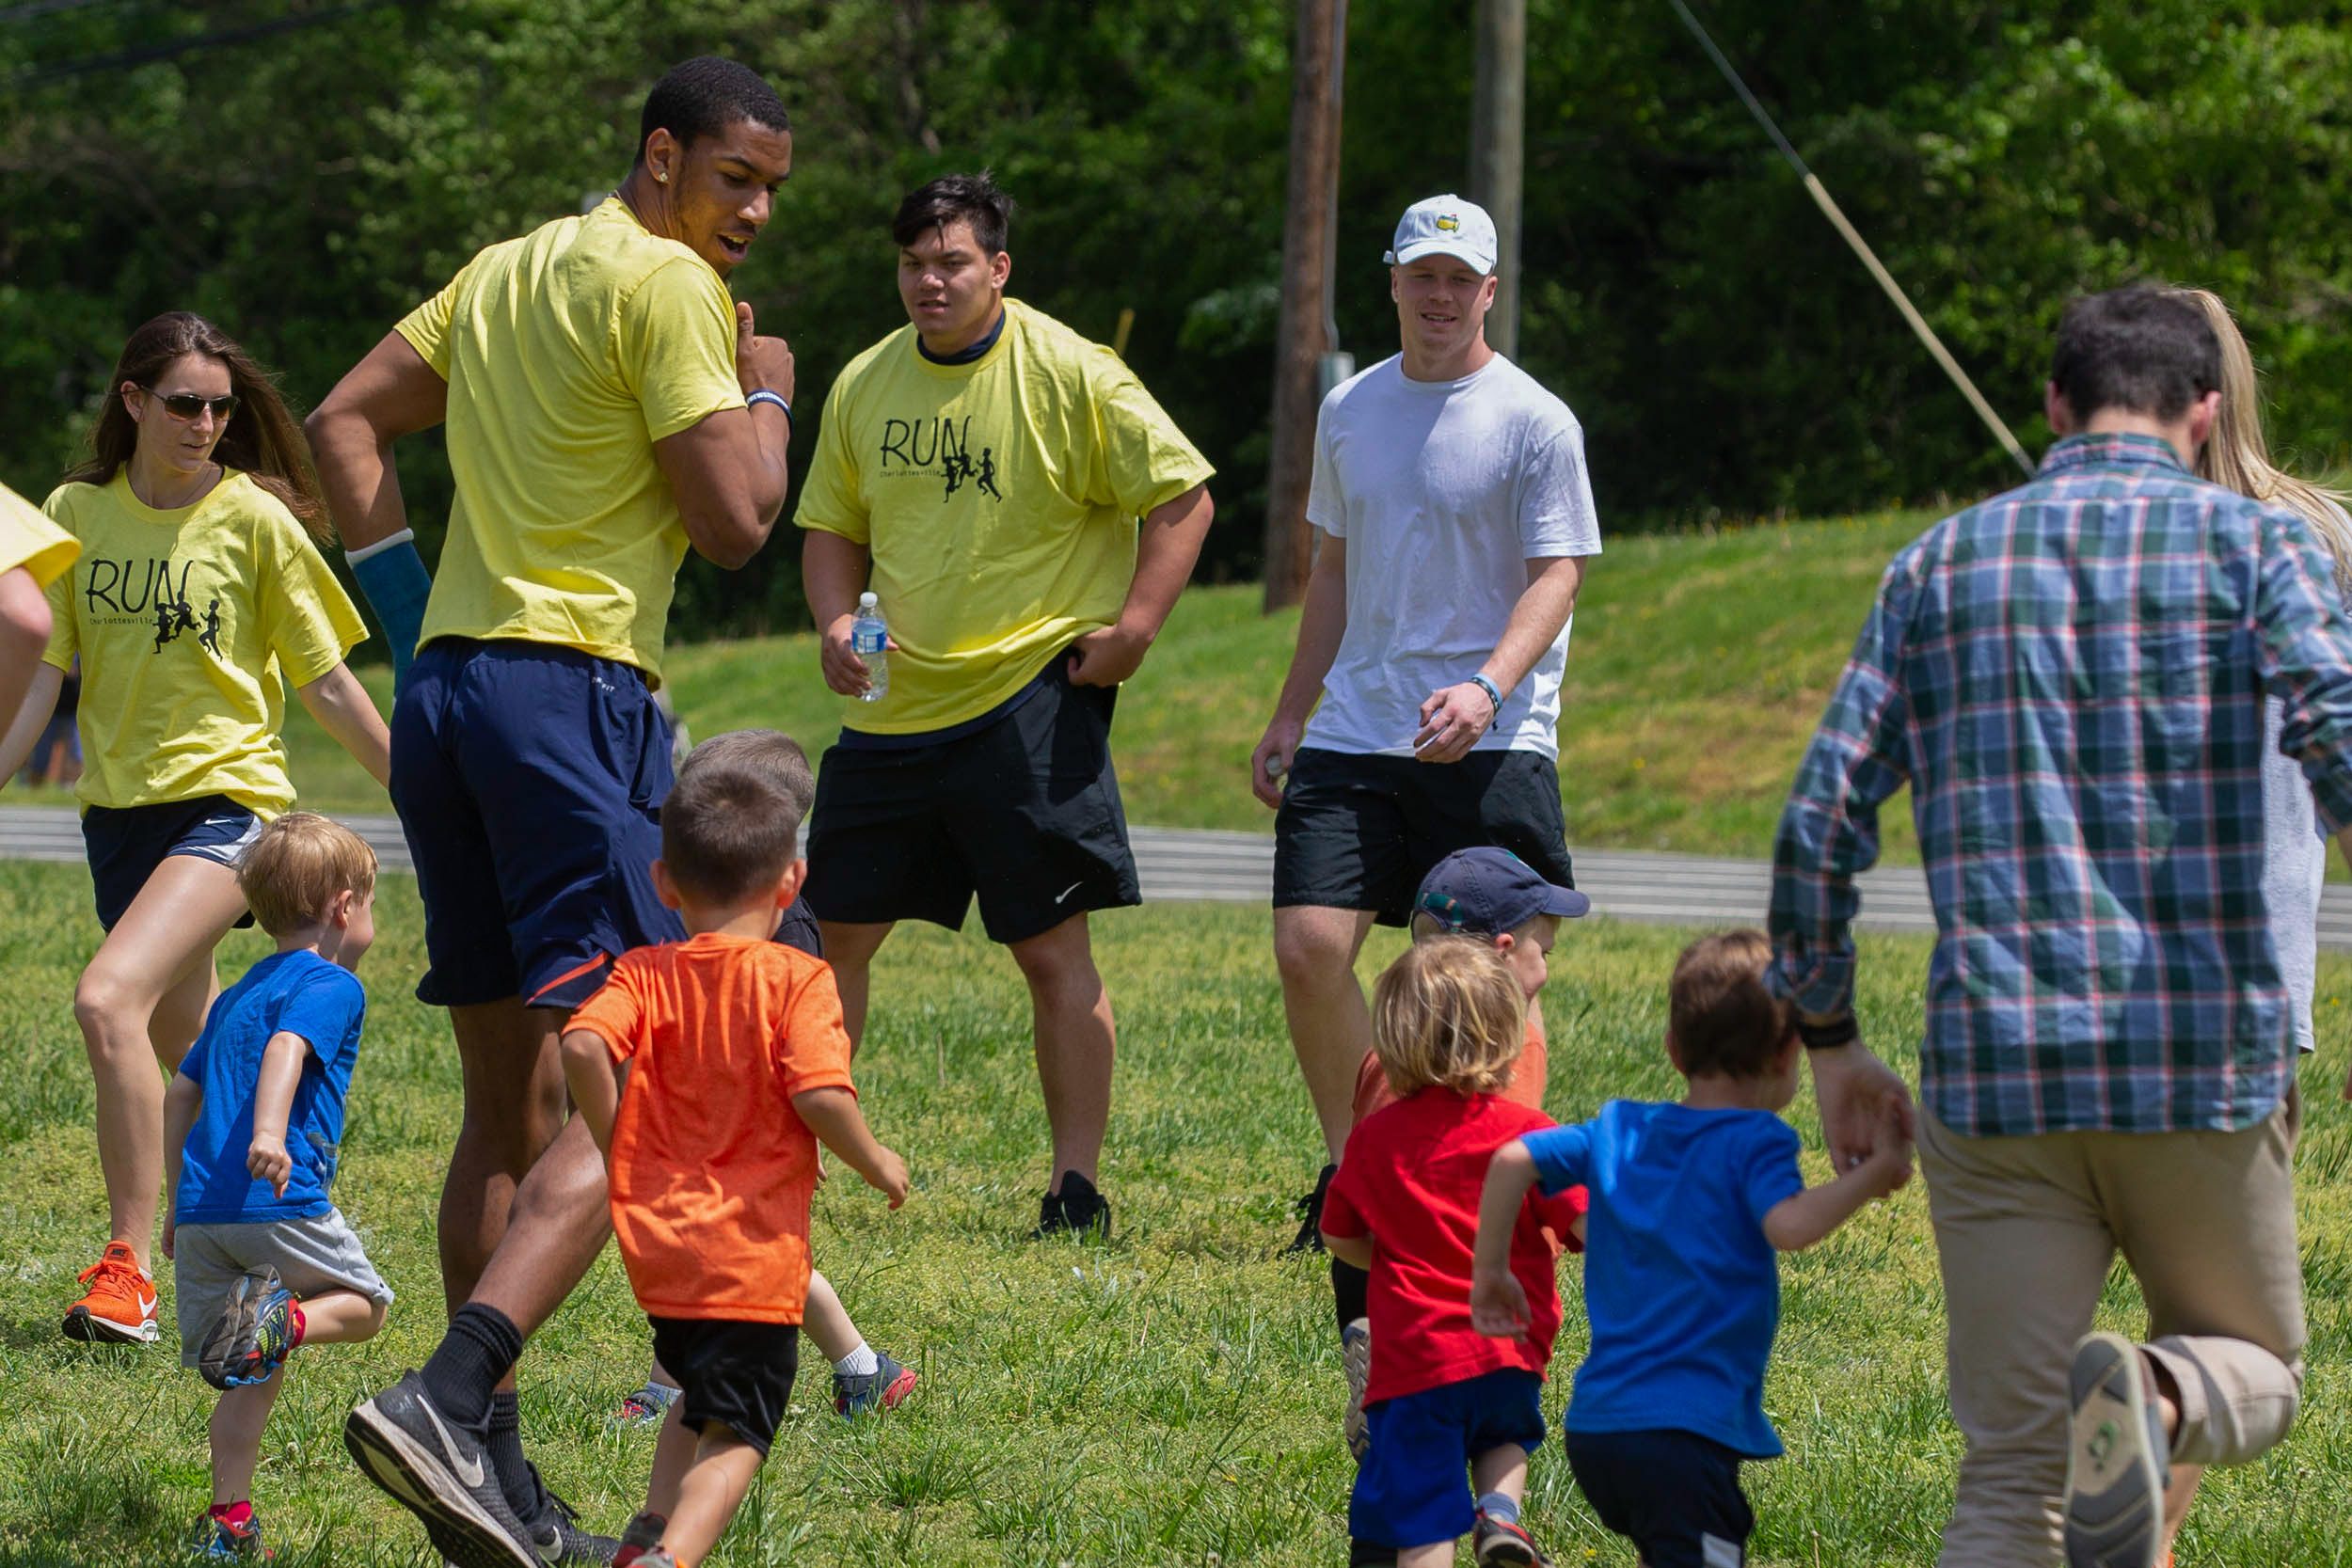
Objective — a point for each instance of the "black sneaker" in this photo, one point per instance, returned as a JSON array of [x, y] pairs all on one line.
[[1078, 1210], [440, 1473], [1309, 1212], [2118, 1461], [554, 1531]]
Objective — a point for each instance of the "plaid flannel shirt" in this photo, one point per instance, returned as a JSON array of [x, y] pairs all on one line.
[[2070, 678]]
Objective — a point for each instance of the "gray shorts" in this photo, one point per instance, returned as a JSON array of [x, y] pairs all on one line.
[[322, 1252]]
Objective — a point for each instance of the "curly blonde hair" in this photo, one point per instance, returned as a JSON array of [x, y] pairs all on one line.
[[1449, 1011]]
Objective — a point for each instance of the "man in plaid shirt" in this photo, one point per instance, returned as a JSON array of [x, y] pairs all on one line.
[[2071, 679]]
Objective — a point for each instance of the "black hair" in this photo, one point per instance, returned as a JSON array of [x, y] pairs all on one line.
[[703, 95], [2140, 348], [972, 198]]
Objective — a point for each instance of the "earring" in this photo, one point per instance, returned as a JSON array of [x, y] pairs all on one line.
[[660, 178]]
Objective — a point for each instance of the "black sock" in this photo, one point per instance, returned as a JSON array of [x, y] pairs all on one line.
[[1351, 1290], [481, 1346], [516, 1477]]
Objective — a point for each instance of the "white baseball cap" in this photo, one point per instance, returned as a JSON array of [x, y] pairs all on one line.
[[1444, 225]]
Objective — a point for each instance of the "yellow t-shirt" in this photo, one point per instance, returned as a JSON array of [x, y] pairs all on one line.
[[30, 540], [999, 500], [568, 353], [183, 621]]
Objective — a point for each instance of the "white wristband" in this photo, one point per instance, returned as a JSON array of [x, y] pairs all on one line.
[[404, 536]]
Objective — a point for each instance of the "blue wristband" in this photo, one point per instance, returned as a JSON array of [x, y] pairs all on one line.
[[764, 395], [1493, 695], [397, 586]]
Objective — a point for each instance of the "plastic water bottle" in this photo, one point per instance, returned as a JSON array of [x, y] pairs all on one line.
[[870, 639]]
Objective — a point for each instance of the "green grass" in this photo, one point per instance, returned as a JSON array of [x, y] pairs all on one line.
[[1700, 664], [1170, 1399]]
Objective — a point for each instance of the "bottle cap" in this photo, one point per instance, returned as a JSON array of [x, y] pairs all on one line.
[[865, 601]]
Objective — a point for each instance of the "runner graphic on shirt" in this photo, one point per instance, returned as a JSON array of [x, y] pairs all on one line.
[[211, 637]]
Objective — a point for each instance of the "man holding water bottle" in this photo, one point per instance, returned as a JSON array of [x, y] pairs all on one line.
[[978, 476]]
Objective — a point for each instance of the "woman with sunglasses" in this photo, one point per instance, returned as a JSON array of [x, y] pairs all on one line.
[[196, 588]]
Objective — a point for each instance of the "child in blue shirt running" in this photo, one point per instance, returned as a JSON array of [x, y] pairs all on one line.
[[1689, 1204], [253, 1122]]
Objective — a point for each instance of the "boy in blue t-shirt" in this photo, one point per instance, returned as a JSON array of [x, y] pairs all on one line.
[[1689, 1204], [253, 1119]]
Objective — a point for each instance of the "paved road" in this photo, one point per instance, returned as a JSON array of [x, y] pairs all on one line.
[[1228, 867]]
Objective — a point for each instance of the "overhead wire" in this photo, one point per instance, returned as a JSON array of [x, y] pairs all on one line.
[[1860, 247]]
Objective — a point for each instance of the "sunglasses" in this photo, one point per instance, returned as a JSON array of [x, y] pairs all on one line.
[[188, 406]]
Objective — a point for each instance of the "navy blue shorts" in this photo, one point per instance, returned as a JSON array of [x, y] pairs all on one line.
[[1675, 1495], [529, 780], [1413, 1485], [126, 845]]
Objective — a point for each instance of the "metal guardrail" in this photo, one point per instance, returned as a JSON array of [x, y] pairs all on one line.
[[1185, 865]]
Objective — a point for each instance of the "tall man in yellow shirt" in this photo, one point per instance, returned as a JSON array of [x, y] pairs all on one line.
[[608, 407], [982, 471]]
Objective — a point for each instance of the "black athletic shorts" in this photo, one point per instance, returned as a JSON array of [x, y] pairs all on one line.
[[1675, 1495], [1024, 811], [736, 1373], [1359, 832]]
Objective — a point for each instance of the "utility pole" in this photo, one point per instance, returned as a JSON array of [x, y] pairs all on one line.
[[1304, 336], [1498, 153]]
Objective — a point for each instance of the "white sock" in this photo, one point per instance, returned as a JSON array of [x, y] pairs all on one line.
[[860, 1362]]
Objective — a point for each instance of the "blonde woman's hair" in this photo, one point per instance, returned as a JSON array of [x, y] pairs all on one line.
[[2238, 457], [1449, 1011], [295, 869]]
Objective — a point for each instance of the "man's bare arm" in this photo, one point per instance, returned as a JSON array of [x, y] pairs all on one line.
[[834, 571], [729, 470], [1165, 554], [391, 393], [1322, 621], [1455, 717]]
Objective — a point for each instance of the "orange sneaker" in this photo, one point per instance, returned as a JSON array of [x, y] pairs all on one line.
[[120, 1306]]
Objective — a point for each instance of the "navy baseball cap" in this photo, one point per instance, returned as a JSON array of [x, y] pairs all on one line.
[[1491, 891]]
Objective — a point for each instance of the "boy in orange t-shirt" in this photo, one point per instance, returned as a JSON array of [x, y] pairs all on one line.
[[708, 1071]]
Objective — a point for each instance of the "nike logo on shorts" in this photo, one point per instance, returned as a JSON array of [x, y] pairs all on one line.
[[1068, 891]]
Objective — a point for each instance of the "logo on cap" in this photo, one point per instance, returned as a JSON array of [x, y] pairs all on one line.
[[1450, 223]]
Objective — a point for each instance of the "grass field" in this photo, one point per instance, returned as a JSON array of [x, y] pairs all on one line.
[[1699, 666], [1171, 1398]]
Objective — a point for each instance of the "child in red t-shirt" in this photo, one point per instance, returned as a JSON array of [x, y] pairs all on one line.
[[1449, 1022], [708, 1071]]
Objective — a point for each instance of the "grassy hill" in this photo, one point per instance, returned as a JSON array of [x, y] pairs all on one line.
[[1699, 666]]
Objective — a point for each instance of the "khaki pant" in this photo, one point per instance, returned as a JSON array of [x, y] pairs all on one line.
[[2025, 1228]]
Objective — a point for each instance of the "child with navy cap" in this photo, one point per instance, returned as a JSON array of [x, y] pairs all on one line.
[[1490, 894], [1689, 1203]]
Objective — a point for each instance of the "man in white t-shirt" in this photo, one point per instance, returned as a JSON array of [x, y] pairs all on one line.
[[1456, 518]]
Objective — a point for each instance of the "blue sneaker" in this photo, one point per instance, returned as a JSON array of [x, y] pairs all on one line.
[[884, 1389], [234, 1534], [250, 1339], [647, 1407]]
